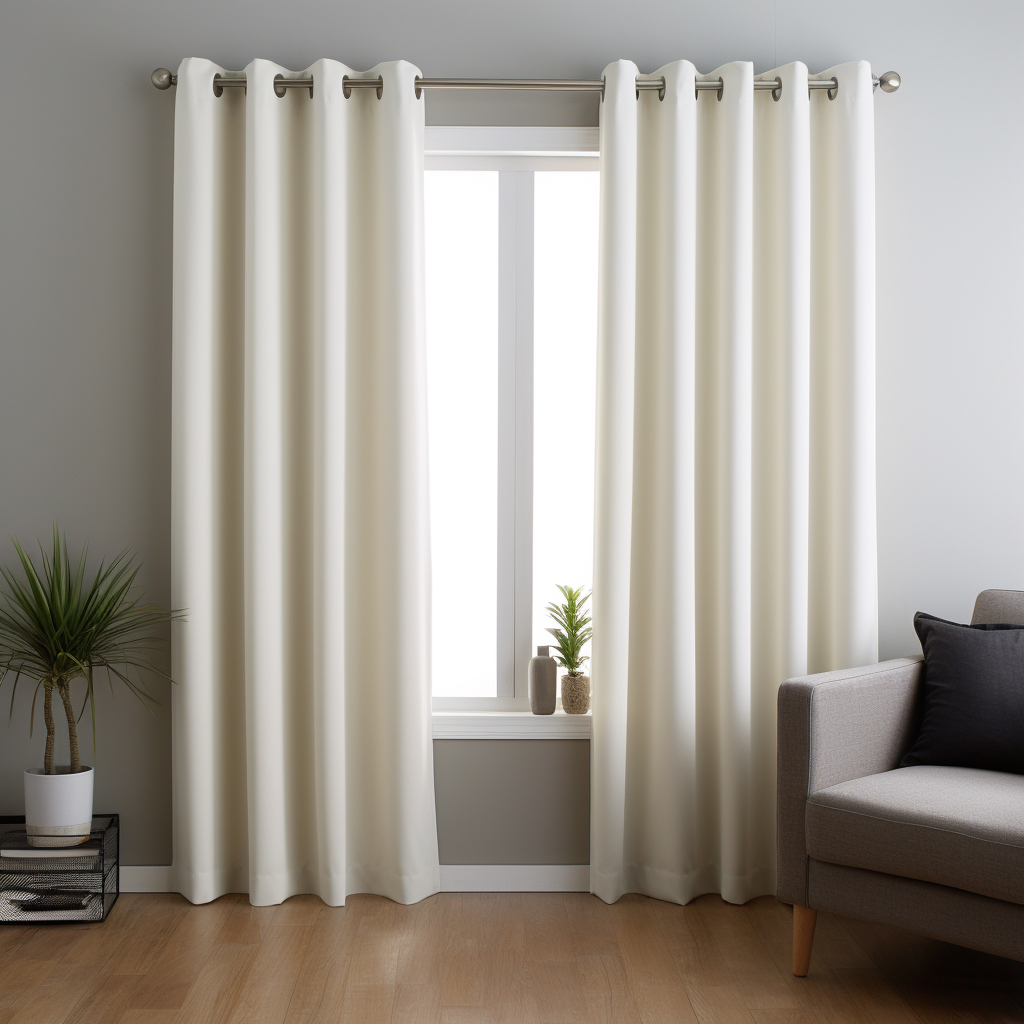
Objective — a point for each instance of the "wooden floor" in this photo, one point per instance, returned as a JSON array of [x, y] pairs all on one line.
[[463, 959]]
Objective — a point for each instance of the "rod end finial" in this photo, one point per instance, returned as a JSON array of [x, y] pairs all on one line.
[[162, 78], [889, 82]]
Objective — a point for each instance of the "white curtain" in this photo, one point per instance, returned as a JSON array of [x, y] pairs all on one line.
[[735, 508], [301, 714]]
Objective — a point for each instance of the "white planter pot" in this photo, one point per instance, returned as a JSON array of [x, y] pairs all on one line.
[[58, 808]]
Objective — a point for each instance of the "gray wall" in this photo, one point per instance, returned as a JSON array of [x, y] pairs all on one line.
[[512, 801], [85, 219]]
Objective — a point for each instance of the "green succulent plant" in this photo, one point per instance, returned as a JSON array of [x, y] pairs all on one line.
[[572, 629], [55, 628]]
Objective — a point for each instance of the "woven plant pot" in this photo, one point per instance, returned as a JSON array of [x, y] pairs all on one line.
[[575, 695]]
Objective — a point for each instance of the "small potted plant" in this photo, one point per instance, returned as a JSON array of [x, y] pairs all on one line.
[[56, 629], [571, 632]]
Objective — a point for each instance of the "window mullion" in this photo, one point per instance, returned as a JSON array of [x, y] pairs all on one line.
[[523, 629], [507, 316]]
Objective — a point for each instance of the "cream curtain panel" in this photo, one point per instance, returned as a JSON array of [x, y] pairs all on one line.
[[300, 535], [735, 508]]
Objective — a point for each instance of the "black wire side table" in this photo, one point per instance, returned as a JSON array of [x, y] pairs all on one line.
[[46, 885]]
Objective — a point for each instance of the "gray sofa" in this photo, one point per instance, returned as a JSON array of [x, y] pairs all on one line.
[[933, 849]]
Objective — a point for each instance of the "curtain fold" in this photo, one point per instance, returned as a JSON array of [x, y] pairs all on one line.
[[300, 534], [735, 511]]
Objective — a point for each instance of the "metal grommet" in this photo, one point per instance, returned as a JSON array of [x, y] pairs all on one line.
[[279, 89], [346, 89], [661, 91], [380, 86], [777, 91], [218, 90], [721, 89], [832, 92], [419, 91], [311, 82]]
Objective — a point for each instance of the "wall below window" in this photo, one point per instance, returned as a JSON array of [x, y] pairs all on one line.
[[512, 801], [85, 285]]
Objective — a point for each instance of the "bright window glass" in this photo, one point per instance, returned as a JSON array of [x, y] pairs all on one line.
[[564, 359], [462, 372]]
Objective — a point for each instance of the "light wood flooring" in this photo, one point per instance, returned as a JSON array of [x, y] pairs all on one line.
[[475, 958]]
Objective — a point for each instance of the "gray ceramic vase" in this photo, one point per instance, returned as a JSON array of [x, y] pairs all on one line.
[[543, 682]]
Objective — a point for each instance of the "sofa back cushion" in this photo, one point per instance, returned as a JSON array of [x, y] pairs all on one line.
[[1000, 606]]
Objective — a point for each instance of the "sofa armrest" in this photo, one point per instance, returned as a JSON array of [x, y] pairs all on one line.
[[833, 727]]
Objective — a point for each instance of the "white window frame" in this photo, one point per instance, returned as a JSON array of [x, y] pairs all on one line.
[[515, 152]]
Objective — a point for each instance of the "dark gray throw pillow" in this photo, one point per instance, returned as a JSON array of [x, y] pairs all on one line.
[[972, 714]]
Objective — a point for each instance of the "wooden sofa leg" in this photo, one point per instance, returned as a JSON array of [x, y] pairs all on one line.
[[803, 936]]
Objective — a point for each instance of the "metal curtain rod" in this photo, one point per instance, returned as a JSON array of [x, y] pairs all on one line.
[[163, 79]]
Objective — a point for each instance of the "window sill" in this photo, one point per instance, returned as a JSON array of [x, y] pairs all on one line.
[[510, 725]]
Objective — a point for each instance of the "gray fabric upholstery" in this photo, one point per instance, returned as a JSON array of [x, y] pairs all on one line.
[[960, 827], [999, 606], [951, 915], [833, 727], [840, 795]]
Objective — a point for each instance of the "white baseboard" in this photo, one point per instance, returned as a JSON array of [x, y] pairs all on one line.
[[146, 878], [454, 878], [515, 878]]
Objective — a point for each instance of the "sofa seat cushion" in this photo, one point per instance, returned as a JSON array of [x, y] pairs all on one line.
[[961, 827]]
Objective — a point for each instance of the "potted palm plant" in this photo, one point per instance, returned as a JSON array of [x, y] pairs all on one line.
[[56, 629], [571, 632]]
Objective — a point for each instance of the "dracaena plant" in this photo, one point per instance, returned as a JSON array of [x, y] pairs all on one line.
[[55, 628], [572, 629]]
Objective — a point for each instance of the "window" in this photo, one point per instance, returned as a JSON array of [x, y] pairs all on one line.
[[511, 246]]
